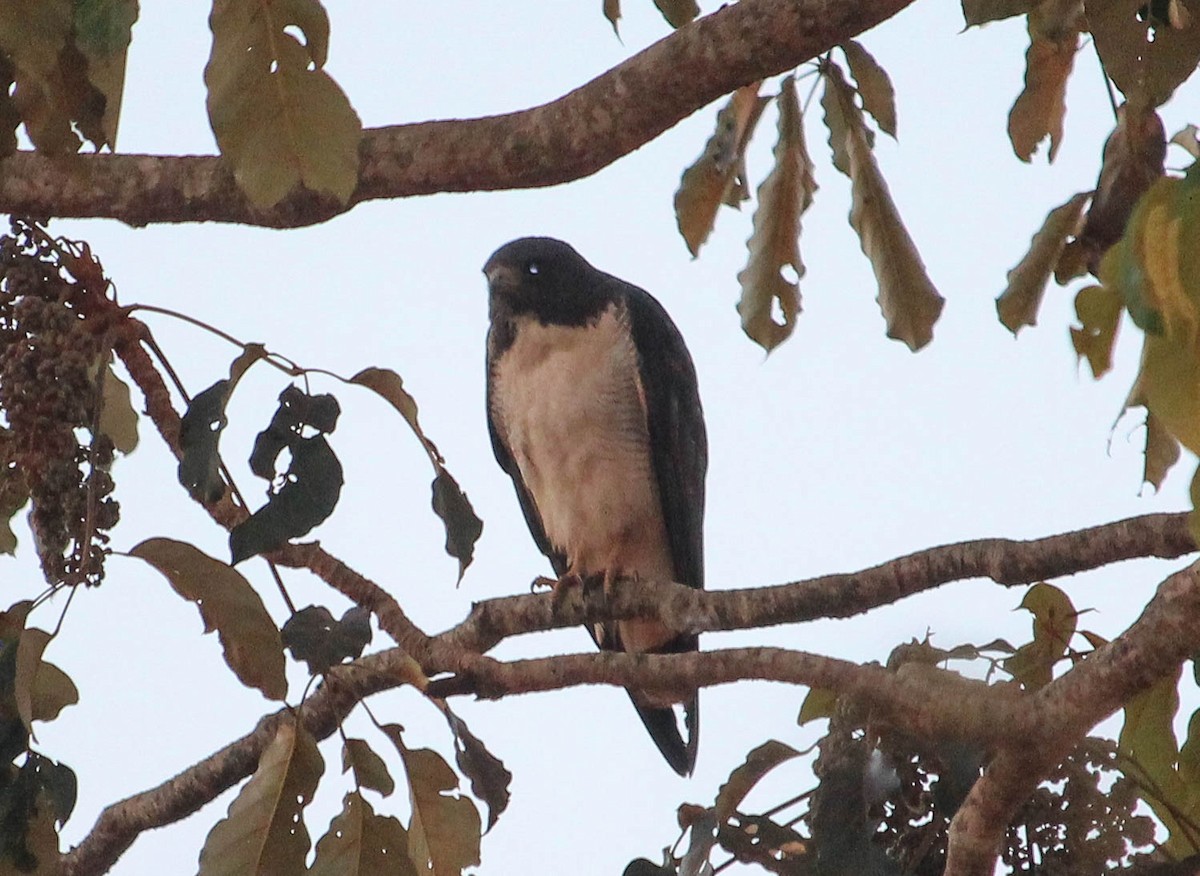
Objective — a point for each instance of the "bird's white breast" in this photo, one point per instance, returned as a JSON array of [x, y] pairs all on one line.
[[571, 408]]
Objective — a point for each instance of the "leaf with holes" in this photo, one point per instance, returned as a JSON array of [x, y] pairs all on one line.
[[444, 834], [774, 243], [707, 183], [1146, 57], [264, 831], [907, 297], [280, 120], [1099, 311], [361, 843], [229, 605], [1018, 304]]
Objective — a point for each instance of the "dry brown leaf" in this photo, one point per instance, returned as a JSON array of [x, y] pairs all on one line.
[[1039, 110], [907, 297], [774, 244], [1134, 156], [708, 182], [1018, 304], [1147, 55], [1188, 137], [874, 86]]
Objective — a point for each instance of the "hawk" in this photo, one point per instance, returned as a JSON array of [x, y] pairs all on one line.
[[594, 412]]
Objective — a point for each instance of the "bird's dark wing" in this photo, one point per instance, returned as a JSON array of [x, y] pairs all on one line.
[[504, 456], [679, 456]]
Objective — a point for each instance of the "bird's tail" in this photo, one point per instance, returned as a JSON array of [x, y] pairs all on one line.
[[663, 725]]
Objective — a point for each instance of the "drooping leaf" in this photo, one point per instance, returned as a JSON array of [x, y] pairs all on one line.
[[102, 33], [489, 777], [1018, 304], [1099, 310], [118, 419], [463, 526], [279, 118], [818, 703], [199, 436], [52, 692], [264, 832], [444, 834], [758, 763], [313, 636], [1145, 58], [874, 86], [29, 659], [57, 781], [229, 605], [774, 244], [361, 843], [612, 11], [387, 384], [310, 487], [707, 183], [1039, 110], [909, 302], [1134, 154], [1162, 452], [977, 12], [369, 769], [678, 12]]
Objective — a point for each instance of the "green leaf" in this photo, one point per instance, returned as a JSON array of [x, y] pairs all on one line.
[[1145, 58], [445, 830], [463, 526], [977, 12], [489, 776], [758, 763], [279, 118], [118, 419], [1099, 311], [103, 29], [52, 691], [1162, 452], [264, 832], [369, 769], [774, 243], [874, 86], [818, 703], [1018, 304], [1040, 108], [678, 12], [1054, 623], [227, 604], [361, 843], [909, 302], [312, 635], [707, 183]]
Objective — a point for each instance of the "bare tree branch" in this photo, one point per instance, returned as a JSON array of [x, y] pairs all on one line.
[[564, 140], [1005, 561]]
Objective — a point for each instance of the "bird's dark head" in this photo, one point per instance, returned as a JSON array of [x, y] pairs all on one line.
[[544, 278]]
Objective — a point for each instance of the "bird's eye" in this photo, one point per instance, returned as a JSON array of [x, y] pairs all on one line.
[[533, 268]]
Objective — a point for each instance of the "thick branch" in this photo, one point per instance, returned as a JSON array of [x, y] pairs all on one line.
[[567, 139], [1166, 634], [1006, 561], [121, 823]]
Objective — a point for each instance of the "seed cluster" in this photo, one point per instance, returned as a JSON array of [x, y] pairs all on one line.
[[51, 368]]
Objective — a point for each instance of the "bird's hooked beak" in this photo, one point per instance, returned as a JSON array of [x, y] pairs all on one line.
[[501, 277]]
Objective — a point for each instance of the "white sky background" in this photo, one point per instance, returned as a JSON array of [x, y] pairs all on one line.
[[839, 451]]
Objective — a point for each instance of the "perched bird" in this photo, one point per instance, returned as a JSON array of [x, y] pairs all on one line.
[[594, 412]]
